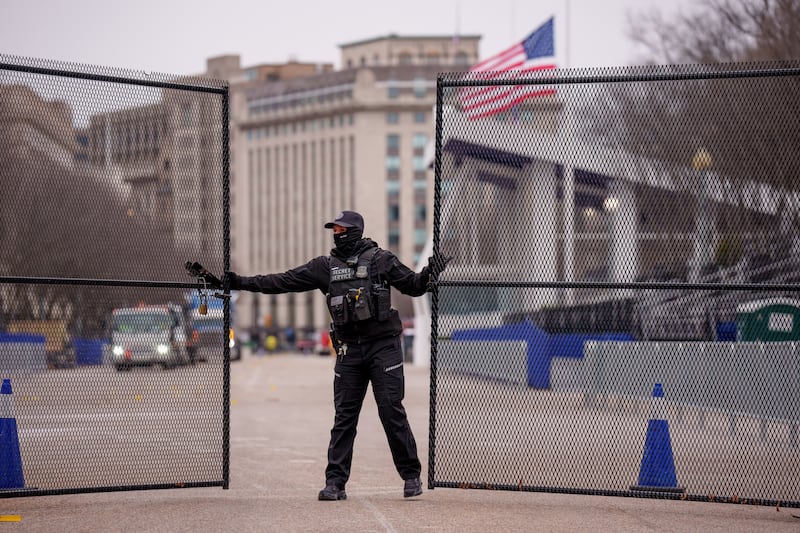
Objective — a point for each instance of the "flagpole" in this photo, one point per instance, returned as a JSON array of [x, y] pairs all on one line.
[[569, 177], [456, 41], [567, 63]]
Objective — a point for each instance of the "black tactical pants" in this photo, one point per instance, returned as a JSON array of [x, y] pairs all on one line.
[[379, 361]]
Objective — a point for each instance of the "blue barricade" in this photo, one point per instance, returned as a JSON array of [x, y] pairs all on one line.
[[542, 346], [88, 351]]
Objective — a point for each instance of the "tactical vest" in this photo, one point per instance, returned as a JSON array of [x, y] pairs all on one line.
[[355, 293]]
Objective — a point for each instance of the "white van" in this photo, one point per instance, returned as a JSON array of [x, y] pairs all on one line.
[[148, 335]]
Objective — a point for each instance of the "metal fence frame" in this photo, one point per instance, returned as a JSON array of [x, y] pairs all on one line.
[[456, 81], [223, 92]]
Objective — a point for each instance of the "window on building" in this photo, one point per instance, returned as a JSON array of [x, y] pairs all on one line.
[[186, 119], [405, 58], [392, 162], [392, 144], [392, 117], [419, 141], [394, 213], [419, 87], [420, 212], [392, 91], [419, 163], [394, 238], [461, 58], [419, 117]]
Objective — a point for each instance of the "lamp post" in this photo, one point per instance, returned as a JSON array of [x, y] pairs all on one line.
[[704, 223], [702, 160]]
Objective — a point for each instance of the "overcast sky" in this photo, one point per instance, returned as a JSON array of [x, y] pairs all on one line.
[[177, 36]]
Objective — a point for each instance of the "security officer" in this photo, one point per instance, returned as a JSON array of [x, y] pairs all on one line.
[[356, 279]]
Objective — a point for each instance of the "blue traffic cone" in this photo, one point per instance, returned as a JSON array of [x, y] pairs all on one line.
[[657, 472], [10, 459]]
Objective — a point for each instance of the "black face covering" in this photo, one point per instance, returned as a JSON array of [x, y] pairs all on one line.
[[346, 241]]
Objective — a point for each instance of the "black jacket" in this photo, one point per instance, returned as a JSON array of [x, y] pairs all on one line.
[[316, 275]]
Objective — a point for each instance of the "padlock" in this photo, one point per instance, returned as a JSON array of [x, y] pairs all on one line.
[[203, 309]]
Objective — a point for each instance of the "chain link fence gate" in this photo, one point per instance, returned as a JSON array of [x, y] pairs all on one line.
[[621, 316], [110, 180]]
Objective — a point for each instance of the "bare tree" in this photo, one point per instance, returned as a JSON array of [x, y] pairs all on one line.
[[57, 222], [750, 126], [720, 31]]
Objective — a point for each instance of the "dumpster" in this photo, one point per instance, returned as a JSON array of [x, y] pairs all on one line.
[[768, 320]]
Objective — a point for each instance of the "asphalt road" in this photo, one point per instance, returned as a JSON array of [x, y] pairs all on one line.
[[281, 412]]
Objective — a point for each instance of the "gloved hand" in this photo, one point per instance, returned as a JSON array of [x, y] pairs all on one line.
[[437, 264], [230, 280], [199, 271]]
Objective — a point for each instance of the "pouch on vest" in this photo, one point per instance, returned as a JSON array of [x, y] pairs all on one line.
[[361, 303], [338, 309], [383, 302]]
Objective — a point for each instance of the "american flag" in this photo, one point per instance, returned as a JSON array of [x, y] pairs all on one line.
[[536, 52]]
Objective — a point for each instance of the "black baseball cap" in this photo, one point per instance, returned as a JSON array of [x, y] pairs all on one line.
[[347, 219]]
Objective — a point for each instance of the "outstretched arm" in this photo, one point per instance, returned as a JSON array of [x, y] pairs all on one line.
[[406, 280], [310, 276]]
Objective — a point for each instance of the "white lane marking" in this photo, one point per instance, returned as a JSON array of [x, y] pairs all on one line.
[[382, 520], [254, 377]]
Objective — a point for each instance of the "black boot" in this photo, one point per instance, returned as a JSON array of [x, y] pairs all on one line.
[[332, 493], [412, 487]]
